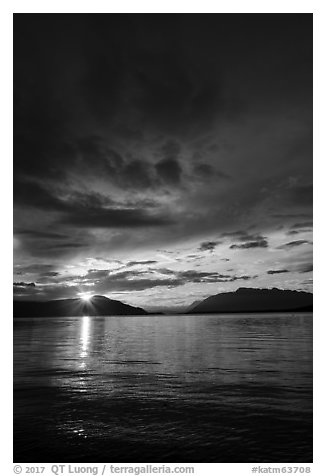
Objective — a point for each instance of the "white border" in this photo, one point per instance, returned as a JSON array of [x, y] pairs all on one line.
[[167, 6]]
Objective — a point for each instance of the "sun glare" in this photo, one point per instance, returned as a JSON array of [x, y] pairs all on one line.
[[86, 297]]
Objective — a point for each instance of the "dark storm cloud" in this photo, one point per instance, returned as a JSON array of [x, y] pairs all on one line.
[[24, 285], [86, 210], [88, 74], [172, 81], [294, 244], [167, 83], [209, 245], [250, 244], [203, 277], [115, 218], [32, 194], [67, 79], [241, 235], [169, 170], [277, 271], [136, 263], [142, 132], [95, 157]]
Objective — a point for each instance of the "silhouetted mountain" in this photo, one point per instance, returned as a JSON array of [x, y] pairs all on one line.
[[96, 306], [192, 306], [256, 300]]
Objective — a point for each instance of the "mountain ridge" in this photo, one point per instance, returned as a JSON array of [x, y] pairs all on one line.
[[96, 306], [255, 300]]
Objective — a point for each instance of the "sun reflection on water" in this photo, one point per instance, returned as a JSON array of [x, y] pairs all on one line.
[[84, 339]]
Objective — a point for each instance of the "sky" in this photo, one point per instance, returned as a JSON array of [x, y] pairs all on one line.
[[161, 158]]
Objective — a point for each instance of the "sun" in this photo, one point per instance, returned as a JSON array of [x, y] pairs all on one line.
[[86, 297]]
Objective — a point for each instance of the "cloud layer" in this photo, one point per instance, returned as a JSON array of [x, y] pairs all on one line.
[[179, 142]]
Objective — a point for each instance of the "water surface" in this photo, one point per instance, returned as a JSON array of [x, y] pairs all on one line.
[[209, 388]]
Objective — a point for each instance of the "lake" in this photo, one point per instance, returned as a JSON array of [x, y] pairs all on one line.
[[202, 388]]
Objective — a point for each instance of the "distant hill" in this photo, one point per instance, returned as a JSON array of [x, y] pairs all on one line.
[[96, 306], [255, 300]]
